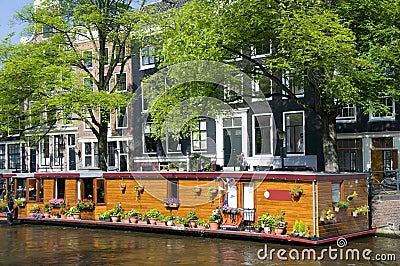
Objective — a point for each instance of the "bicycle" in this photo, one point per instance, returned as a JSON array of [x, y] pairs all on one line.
[[388, 183]]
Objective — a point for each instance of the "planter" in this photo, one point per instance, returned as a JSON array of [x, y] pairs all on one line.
[[63, 216], [170, 223], [114, 218], [76, 216], [56, 206], [172, 206], [46, 215], [70, 217], [133, 220], [213, 226], [192, 224], [152, 221], [105, 219], [257, 230], [87, 215], [54, 216], [122, 189], [267, 230], [279, 230], [197, 191]]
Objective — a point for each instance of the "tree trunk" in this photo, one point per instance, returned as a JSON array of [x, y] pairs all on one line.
[[102, 140], [329, 143]]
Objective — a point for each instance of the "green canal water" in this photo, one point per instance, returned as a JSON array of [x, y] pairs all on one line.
[[57, 245]]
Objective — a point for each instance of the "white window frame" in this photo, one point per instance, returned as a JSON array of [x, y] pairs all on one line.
[[347, 119], [378, 117], [255, 87], [254, 117], [287, 80], [202, 128], [167, 145], [85, 62], [227, 90], [117, 77], [91, 155], [118, 117], [303, 132], [145, 125], [150, 50], [254, 54]]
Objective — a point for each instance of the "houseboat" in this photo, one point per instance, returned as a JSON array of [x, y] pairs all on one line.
[[303, 203]]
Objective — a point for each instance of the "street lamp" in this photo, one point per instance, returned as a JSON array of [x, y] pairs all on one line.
[[281, 136]]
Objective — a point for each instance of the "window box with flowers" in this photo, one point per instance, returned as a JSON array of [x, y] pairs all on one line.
[[57, 203], [85, 205], [21, 202], [171, 203]]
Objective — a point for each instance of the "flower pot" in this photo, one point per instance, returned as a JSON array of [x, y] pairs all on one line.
[[152, 221], [122, 189], [257, 230], [214, 225], [140, 190], [46, 215], [267, 230], [197, 191], [114, 218], [70, 217], [170, 223], [76, 216], [63, 216], [134, 219], [279, 230], [192, 224], [180, 225]]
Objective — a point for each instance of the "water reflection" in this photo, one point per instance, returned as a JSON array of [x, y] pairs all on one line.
[[44, 245]]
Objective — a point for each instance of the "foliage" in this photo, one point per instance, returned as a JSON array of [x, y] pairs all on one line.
[[85, 204], [104, 215], [179, 220], [352, 196], [192, 216], [173, 165], [74, 209], [297, 189], [300, 229], [153, 213], [20, 201], [328, 214], [338, 52], [271, 221], [133, 213], [46, 208], [34, 208], [342, 204], [116, 211], [45, 65], [362, 209]]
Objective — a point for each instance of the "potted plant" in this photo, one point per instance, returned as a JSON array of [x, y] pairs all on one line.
[[104, 216], [21, 202], [279, 223], [63, 213], [341, 205], [125, 218], [34, 209], [152, 215], [215, 220], [76, 213], [197, 190], [170, 220], [327, 216], [267, 222], [133, 216], [85, 205], [142, 219], [139, 189], [54, 214], [57, 203], [115, 213], [192, 218], [300, 229], [172, 203], [173, 167], [296, 193], [179, 221], [362, 210], [212, 192], [46, 210], [201, 224], [122, 187]]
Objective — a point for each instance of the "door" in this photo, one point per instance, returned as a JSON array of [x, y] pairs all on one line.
[[232, 140], [248, 202]]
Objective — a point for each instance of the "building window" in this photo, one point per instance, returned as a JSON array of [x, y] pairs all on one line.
[[349, 155], [123, 155], [14, 156], [233, 91], [47, 32], [261, 49], [294, 128], [87, 59], [199, 136], [91, 154], [173, 144], [88, 83], [294, 83], [121, 82], [262, 136], [390, 114], [150, 143], [45, 151], [122, 117], [261, 87], [2, 156], [347, 113], [100, 191], [147, 58]]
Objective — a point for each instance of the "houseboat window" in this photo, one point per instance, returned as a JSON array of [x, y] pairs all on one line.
[[41, 187], [100, 192], [20, 188], [86, 188], [32, 189], [173, 189], [59, 188], [335, 192], [231, 195]]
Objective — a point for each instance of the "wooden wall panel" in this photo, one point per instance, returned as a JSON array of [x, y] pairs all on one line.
[[71, 194]]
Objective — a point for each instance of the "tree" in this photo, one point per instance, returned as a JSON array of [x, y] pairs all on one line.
[[49, 70], [312, 41]]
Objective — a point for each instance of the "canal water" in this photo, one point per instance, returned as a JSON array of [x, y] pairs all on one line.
[[58, 245]]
